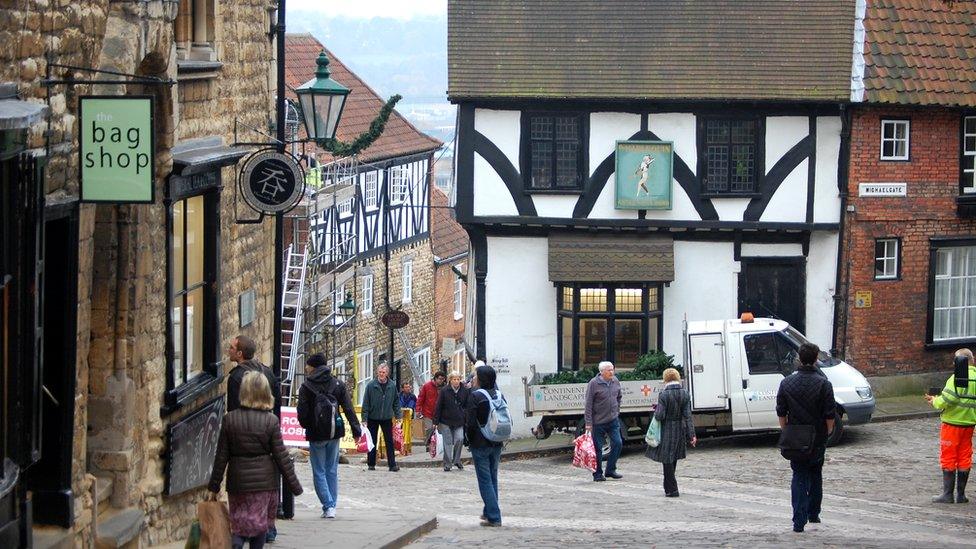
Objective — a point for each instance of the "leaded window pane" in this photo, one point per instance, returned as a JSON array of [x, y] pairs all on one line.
[[718, 167], [743, 167], [593, 299], [555, 150], [628, 300], [542, 165], [627, 342], [566, 163], [541, 127]]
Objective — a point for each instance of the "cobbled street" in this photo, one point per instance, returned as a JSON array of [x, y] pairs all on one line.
[[734, 492]]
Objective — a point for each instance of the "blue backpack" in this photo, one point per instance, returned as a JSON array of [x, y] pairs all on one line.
[[498, 428]]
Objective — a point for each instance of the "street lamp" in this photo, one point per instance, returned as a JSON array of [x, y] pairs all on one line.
[[348, 307], [322, 100]]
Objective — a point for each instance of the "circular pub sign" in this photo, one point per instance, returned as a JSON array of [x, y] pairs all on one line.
[[395, 319], [271, 181]]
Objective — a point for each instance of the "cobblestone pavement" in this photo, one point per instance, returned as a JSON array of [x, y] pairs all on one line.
[[734, 492]]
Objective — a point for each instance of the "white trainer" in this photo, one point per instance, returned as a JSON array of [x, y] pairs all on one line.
[[330, 512]]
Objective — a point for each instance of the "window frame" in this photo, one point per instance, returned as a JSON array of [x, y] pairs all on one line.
[[963, 172], [362, 379], [399, 188], [759, 164], [936, 244], [423, 366], [344, 208], [406, 280], [367, 308], [908, 139], [781, 342], [181, 392], [582, 159], [897, 258], [371, 191], [646, 313], [458, 296]]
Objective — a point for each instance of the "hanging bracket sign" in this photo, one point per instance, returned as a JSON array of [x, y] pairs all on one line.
[[395, 319], [271, 182], [116, 148]]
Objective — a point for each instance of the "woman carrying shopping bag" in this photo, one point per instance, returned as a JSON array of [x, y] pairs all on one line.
[[251, 449], [677, 428], [449, 419]]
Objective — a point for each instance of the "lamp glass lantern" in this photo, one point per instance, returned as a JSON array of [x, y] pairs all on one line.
[[322, 100], [348, 307]]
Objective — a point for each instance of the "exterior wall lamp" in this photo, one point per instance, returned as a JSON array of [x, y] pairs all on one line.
[[322, 100]]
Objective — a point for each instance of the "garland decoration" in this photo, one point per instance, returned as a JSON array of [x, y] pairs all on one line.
[[365, 139]]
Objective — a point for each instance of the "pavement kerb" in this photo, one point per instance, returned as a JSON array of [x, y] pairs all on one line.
[[899, 417], [411, 535]]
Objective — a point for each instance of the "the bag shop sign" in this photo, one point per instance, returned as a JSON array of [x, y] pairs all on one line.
[[116, 149]]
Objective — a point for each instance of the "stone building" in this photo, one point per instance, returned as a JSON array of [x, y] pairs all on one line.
[[908, 263], [385, 211], [450, 245], [135, 301]]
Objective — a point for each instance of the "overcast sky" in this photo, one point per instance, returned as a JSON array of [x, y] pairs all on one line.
[[401, 9]]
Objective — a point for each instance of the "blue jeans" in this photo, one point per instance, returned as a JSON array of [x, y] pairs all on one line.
[[486, 468], [611, 428], [807, 488], [324, 457]]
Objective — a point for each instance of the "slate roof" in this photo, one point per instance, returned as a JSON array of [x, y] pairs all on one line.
[[447, 237], [611, 258], [400, 138], [638, 49], [920, 52]]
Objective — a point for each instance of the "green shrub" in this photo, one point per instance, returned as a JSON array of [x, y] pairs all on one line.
[[649, 366]]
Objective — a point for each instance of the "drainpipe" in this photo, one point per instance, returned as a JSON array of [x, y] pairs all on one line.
[[838, 345]]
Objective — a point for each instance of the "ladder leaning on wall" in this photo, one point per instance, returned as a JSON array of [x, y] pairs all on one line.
[[292, 308]]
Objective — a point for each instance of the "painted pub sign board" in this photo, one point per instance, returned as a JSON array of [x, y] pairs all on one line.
[[644, 175], [116, 149]]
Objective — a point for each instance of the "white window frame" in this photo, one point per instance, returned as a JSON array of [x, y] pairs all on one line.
[[364, 373], [896, 140], [338, 296], [407, 279], [370, 190], [944, 284], [367, 307], [458, 298], [890, 258], [399, 184], [344, 208], [458, 362], [422, 358], [968, 182]]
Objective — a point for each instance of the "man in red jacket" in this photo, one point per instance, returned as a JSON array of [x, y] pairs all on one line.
[[427, 400]]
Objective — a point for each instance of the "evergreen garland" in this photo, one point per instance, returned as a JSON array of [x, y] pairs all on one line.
[[342, 149]]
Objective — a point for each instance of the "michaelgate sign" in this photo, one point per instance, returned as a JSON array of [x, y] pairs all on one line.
[[116, 148]]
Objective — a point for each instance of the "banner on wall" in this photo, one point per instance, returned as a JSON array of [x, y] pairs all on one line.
[[644, 174], [116, 149]]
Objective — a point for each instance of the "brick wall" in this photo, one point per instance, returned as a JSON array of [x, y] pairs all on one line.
[[889, 337], [449, 330]]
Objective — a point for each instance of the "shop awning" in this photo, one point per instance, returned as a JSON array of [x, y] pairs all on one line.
[[611, 258], [16, 114]]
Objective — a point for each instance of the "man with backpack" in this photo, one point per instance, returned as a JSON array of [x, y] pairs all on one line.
[[488, 425], [319, 400]]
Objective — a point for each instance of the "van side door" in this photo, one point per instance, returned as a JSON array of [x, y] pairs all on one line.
[[768, 358]]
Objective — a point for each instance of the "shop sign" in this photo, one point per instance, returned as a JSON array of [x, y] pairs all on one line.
[[882, 189], [271, 182], [192, 447], [116, 149], [644, 175], [395, 319]]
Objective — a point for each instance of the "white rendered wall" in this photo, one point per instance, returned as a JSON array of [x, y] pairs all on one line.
[[789, 202], [606, 128], [731, 209], [826, 205], [750, 249], [555, 205], [491, 196], [821, 282], [503, 128], [520, 316]]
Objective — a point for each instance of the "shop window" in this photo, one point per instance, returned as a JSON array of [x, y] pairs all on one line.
[[192, 328], [732, 153], [554, 151], [615, 322], [195, 32], [968, 160], [895, 139], [886, 258], [953, 284]]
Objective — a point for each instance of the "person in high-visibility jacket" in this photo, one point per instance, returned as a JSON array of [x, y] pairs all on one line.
[[958, 405]]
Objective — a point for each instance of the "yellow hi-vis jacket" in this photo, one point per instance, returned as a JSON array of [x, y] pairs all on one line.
[[958, 406]]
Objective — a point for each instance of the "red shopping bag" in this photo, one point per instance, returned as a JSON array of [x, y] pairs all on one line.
[[398, 437], [364, 444], [584, 456]]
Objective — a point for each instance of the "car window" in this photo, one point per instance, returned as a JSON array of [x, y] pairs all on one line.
[[769, 353]]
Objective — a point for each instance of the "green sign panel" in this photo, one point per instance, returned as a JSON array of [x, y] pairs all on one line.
[[644, 173], [116, 148]]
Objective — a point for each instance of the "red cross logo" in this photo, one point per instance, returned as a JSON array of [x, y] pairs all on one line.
[[646, 390]]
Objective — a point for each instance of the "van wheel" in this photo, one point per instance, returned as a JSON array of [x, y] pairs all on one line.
[[838, 434]]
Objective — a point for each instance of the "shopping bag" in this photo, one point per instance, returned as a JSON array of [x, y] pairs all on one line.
[[398, 437], [214, 525], [653, 436], [365, 443], [584, 455], [436, 446]]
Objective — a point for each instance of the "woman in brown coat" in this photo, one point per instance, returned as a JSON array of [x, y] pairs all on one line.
[[251, 449]]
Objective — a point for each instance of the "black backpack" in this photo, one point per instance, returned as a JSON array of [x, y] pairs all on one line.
[[328, 422]]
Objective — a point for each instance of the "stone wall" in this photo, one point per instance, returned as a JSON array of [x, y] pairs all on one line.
[[890, 336]]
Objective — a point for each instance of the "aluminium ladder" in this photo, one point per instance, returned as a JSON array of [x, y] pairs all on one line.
[[292, 306]]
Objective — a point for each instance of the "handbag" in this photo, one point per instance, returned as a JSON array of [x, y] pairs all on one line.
[[796, 442], [214, 524], [653, 436]]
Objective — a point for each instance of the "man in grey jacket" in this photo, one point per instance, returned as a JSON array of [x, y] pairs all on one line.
[[602, 419]]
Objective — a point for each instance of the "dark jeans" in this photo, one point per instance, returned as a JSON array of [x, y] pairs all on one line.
[[611, 428], [670, 481], [486, 468], [257, 542], [807, 488], [387, 425]]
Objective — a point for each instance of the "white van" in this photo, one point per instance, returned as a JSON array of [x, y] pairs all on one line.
[[733, 369]]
